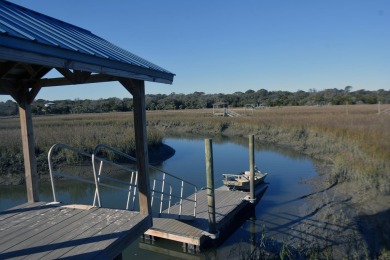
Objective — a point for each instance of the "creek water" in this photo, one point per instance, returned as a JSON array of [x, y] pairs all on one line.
[[276, 215]]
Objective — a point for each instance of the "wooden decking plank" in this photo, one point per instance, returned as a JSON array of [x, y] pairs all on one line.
[[176, 227], [111, 232], [39, 242], [114, 231], [117, 247], [50, 236], [19, 219], [88, 233], [62, 237], [185, 229], [159, 230], [32, 225], [26, 207]]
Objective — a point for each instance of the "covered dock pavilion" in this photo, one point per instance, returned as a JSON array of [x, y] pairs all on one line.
[[31, 45]]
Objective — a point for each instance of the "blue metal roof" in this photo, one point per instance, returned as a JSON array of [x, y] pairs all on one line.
[[27, 30]]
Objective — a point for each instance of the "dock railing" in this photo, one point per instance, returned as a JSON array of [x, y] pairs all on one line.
[[114, 170], [106, 168], [167, 188], [75, 157]]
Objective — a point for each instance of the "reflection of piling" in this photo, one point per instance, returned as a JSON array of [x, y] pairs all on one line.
[[210, 185], [252, 230], [252, 169]]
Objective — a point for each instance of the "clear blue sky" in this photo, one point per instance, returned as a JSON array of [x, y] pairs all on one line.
[[228, 46]]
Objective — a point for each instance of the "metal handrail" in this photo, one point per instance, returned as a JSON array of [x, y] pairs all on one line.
[[154, 189], [131, 186], [54, 173], [99, 174], [170, 194]]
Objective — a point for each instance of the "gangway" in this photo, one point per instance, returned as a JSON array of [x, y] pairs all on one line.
[[231, 113], [107, 164], [386, 111]]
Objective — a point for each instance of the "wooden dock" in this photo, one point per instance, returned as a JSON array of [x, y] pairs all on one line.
[[231, 209], [50, 231]]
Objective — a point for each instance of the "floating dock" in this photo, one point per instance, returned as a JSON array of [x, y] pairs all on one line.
[[231, 209], [49, 231]]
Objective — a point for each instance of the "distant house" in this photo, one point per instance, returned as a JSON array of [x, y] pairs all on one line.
[[220, 109], [49, 104]]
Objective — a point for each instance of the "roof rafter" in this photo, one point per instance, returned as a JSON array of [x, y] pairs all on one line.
[[76, 77], [6, 67]]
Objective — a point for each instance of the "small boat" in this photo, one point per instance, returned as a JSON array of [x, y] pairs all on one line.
[[241, 181]]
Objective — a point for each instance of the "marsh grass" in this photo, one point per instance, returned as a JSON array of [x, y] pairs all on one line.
[[356, 141], [80, 131]]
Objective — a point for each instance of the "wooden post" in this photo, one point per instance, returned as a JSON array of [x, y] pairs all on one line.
[[30, 161], [379, 107], [252, 169], [210, 185], [137, 89]]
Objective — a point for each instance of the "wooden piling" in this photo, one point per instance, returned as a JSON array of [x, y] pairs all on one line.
[[210, 185], [252, 169]]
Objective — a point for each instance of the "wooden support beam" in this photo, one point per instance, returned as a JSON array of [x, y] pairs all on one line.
[[8, 87], [33, 93], [94, 78], [30, 162], [6, 67], [81, 76], [137, 89]]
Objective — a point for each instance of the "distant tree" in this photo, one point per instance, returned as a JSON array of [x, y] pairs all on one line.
[[347, 89], [201, 100]]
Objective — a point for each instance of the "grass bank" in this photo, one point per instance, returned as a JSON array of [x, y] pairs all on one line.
[[354, 140]]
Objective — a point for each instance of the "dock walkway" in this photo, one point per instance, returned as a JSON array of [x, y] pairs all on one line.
[[229, 205], [48, 231]]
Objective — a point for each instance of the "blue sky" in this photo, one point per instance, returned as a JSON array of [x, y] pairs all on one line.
[[229, 46]]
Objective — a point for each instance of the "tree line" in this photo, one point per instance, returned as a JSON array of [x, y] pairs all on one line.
[[198, 100]]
